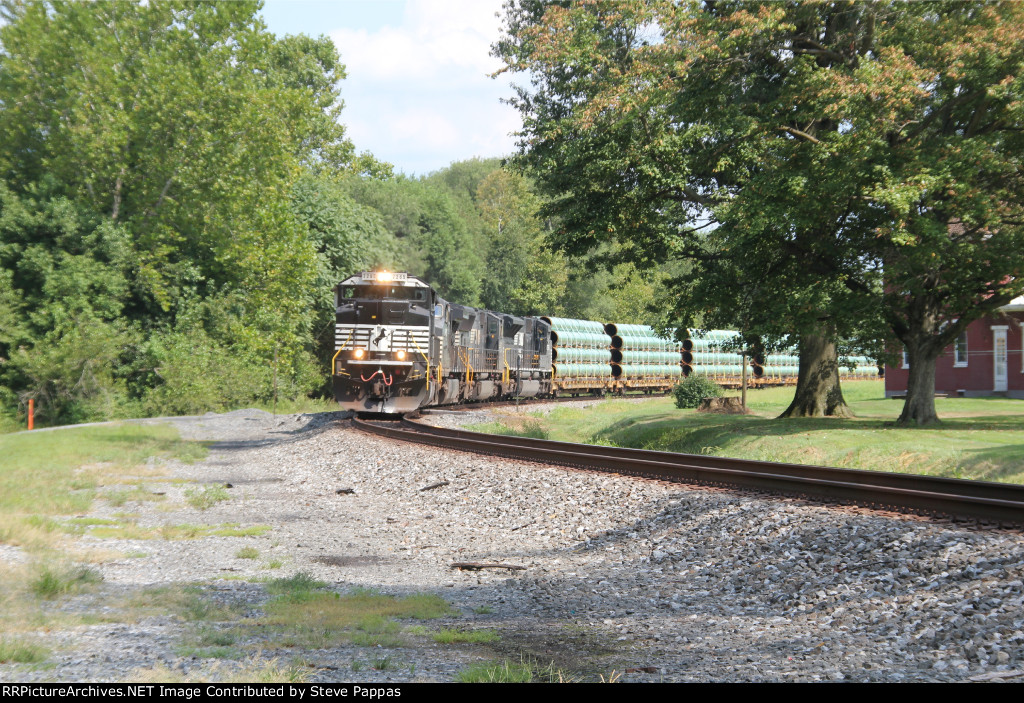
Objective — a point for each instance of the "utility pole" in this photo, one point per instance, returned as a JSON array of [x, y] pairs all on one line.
[[743, 384], [275, 378]]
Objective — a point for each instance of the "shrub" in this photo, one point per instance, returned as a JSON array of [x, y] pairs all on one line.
[[694, 389]]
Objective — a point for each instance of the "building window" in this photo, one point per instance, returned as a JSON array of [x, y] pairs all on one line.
[[906, 361], [960, 350]]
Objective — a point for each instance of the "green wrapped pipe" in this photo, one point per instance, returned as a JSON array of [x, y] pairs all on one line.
[[565, 324], [718, 370]]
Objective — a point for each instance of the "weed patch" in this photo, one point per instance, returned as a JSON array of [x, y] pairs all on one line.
[[497, 672], [53, 581], [450, 636], [19, 651], [206, 497], [305, 615]]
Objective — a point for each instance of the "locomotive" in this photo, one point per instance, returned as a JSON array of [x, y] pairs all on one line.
[[399, 347]]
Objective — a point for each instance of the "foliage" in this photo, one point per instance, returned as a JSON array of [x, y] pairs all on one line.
[[787, 150], [689, 392], [524, 276], [148, 194]]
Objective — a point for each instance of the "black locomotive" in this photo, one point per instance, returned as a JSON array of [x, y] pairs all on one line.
[[401, 347]]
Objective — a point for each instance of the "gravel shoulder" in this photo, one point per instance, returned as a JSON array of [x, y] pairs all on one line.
[[641, 580]]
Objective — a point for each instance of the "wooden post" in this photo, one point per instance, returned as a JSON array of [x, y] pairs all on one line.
[[743, 384], [275, 379], [31, 413]]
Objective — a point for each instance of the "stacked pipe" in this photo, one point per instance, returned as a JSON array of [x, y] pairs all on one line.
[[704, 355], [638, 352], [785, 365], [712, 354], [579, 349]]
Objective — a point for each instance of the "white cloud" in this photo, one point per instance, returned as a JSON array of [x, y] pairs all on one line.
[[419, 94]]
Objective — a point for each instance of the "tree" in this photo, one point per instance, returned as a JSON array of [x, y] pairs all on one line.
[[176, 131], [938, 121], [811, 159], [523, 276], [348, 237]]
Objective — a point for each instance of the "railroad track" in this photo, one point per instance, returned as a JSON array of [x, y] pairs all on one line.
[[993, 504]]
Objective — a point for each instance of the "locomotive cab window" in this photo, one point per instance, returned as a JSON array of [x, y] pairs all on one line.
[[418, 295]]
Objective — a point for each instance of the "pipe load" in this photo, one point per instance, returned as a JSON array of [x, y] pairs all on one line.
[[571, 325], [565, 338], [714, 357], [718, 370], [579, 355], [646, 357], [582, 370], [639, 338], [646, 371], [780, 371]]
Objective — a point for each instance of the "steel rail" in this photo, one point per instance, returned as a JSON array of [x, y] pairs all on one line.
[[986, 501]]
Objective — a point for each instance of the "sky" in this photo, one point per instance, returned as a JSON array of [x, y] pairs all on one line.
[[417, 93]]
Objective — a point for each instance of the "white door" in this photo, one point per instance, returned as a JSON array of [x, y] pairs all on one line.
[[999, 371]]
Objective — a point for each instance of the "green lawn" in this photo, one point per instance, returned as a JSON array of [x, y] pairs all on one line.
[[979, 438]]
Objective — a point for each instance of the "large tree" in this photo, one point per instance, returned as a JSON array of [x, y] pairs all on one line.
[[810, 158]]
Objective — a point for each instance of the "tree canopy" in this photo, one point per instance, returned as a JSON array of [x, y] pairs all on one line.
[[148, 155], [824, 167]]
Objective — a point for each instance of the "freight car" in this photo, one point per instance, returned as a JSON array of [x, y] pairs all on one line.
[[400, 347]]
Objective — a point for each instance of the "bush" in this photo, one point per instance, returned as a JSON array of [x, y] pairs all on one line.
[[693, 389]]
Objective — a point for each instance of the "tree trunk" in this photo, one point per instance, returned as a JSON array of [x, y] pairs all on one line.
[[817, 387], [919, 407]]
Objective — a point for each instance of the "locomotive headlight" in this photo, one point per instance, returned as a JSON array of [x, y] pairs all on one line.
[[358, 354], [384, 276], [400, 355]]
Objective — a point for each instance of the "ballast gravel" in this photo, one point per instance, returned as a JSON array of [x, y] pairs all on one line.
[[625, 579]]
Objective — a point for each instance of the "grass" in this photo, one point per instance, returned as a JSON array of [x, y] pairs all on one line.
[[53, 581], [256, 669], [452, 636], [506, 671], [127, 528], [119, 497], [247, 553], [206, 497], [20, 651], [979, 438], [187, 602], [48, 474], [211, 643], [304, 614]]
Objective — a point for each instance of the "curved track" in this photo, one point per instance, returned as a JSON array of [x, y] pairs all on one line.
[[998, 504]]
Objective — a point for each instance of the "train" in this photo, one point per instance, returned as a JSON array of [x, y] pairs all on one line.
[[400, 347]]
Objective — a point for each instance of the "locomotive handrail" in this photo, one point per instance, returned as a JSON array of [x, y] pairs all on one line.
[[334, 371], [424, 358]]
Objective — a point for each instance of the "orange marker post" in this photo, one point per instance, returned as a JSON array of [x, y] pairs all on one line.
[[31, 413]]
